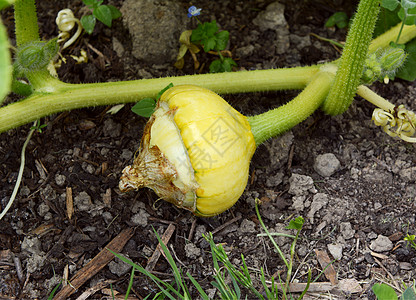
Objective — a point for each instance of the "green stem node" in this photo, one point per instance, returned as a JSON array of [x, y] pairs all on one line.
[[351, 64], [283, 118]]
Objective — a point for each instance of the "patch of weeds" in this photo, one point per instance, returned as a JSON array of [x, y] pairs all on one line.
[[386, 292], [103, 13], [208, 37], [338, 19], [240, 277]]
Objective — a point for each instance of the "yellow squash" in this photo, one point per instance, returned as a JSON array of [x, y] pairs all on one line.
[[195, 152]]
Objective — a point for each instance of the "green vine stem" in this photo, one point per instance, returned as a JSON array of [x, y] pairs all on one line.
[[383, 40], [374, 98], [27, 29], [73, 96], [277, 121], [54, 96], [351, 65]]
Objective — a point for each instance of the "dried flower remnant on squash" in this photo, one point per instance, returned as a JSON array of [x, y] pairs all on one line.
[[195, 152]]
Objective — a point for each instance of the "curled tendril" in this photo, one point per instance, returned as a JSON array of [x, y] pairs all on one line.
[[398, 123], [66, 22]]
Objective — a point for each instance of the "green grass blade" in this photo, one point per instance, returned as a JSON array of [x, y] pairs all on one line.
[[270, 237], [130, 283], [165, 287], [54, 291], [197, 286], [177, 274]]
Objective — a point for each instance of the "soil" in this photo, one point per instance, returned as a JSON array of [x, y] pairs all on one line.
[[358, 215]]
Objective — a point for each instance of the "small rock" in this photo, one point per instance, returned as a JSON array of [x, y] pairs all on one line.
[[247, 226], [199, 231], [107, 217], [43, 209], [346, 230], [111, 128], [298, 203], [335, 250], [271, 18], [83, 201], [319, 201], [381, 244], [279, 149], [24, 191], [326, 164], [119, 267], [60, 179], [31, 245], [245, 51], [140, 218], [35, 262], [405, 265], [155, 27], [300, 184], [300, 42], [126, 154], [118, 47], [350, 286], [274, 180], [408, 174], [192, 251]]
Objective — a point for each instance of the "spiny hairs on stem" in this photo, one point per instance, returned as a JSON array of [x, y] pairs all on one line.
[[353, 57]]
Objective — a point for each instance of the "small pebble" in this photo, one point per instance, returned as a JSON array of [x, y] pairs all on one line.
[[381, 244], [326, 164]]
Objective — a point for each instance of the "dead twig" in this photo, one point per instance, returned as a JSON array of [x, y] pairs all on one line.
[[396, 285], [219, 228], [96, 264], [69, 203], [151, 263], [326, 264], [92, 290]]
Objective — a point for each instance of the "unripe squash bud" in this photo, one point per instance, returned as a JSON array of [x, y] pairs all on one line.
[[195, 152]]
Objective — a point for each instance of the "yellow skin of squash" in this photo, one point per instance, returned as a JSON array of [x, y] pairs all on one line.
[[219, 143], [195, 152]]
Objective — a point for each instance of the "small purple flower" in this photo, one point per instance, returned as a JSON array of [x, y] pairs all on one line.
[[193, 11]]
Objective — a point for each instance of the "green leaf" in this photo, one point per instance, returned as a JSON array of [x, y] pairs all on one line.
[[390, 4], [220, 66], [408, 71], [144, 107], [103, 14], [204, 34], [197, 34], [408, 294], [115, 13], [210, 28], [91, 3], [410, 17], [339, 19], [164, 90], [296, 223], [5, 3], [5, 64], [209, 44], [88, 22], [386, 20], [384, 292], [221, 40]]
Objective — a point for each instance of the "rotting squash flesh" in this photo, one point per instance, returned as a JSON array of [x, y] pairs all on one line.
[[195, 152]]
